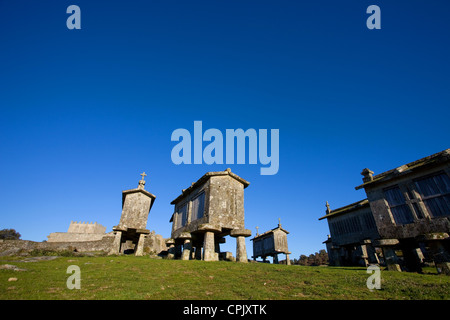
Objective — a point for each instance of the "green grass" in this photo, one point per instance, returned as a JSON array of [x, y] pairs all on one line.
[[129, 277]]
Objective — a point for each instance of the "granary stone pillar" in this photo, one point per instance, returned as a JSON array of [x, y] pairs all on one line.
[[390, 257], [187, 245], [241, 251], [140, 245], [419, 254], [187, 249], [364, 257], [115, 249], [372, 256], [209, 247], [170, 243], [288, 261], [209, 253], [440, 255]]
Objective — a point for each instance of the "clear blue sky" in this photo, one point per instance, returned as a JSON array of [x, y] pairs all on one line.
[[84, 112]]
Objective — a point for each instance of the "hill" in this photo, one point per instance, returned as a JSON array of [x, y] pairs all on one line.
[[138, 278]]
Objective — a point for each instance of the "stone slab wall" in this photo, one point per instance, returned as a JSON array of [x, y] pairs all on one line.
[[16, 247], [154, 244], [74, 237]]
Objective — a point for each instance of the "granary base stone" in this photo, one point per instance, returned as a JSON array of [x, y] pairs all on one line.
[[140, 245], [187, 250], [209, 253], [241, 251], [116, 244]]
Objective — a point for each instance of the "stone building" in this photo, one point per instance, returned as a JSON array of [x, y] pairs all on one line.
[[410, 206], [353, 231], [210, 209], [131, 232], [270, 244], [79, 231]]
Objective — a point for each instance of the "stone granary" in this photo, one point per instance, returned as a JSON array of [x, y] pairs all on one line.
[[410, 206], [271, 243], [353, 231], [131, 231], [206, 212], [79, 231]]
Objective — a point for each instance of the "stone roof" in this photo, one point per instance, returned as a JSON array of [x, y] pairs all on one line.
[[437, 158], [347, 208], [269, 232], [205, 177]]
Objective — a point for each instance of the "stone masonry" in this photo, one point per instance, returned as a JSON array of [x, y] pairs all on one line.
[[79, 231], [131, 231], [406, 215], [210, 209], [271, 243]]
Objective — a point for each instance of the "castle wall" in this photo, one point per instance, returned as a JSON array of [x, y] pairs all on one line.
[[83, 227], [15, 247], [153, 244], [74, 237]]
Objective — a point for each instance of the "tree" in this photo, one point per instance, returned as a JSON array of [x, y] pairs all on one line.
[[303, 260], [323, 257], [316, 259], [9, 234]]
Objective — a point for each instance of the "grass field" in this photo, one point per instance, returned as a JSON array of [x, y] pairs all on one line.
[[129, 277]]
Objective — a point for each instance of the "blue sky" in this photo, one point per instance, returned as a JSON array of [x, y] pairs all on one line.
[[84, 112]]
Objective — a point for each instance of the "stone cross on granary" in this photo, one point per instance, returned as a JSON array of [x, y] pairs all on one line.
[[328, 211], [142, 181]]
